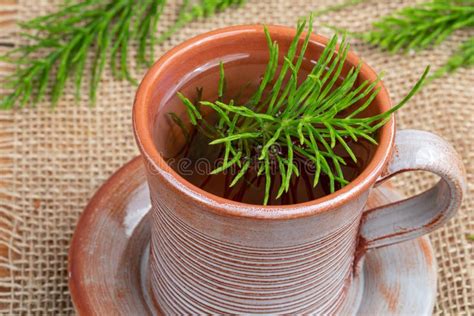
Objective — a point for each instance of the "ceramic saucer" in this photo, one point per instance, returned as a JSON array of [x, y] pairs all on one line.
[[108, 258]]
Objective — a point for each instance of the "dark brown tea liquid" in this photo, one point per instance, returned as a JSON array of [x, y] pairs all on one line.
[[197, 159]]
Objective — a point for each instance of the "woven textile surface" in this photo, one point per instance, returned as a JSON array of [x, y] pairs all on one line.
[[53, 160]]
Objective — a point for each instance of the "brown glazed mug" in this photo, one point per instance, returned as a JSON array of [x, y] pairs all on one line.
[[214, 255]]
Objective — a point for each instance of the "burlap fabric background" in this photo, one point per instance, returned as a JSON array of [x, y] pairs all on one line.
[[52, 161]]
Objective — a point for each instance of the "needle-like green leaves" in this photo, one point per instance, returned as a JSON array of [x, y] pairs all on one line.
[[61, 44], [305, 117], [422, 25], [463, 57]]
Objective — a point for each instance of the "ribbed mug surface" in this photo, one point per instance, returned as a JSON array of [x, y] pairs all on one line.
[[203, 262]]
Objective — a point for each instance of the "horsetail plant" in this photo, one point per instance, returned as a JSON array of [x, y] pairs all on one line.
[[302, 117], [61, 43]]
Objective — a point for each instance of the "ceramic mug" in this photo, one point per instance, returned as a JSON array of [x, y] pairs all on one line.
[[214, 255]]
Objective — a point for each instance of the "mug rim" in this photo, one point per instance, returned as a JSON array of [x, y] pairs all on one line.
[[153, 159]]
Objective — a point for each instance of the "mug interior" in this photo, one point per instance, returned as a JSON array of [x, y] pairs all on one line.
[[244, 52]]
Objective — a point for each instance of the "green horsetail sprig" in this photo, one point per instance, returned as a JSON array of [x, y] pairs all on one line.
[[463, 57], [423, 26], [302, 117], [62, 42]]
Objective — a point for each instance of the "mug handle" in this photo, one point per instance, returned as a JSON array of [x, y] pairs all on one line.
[[418, 215]]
